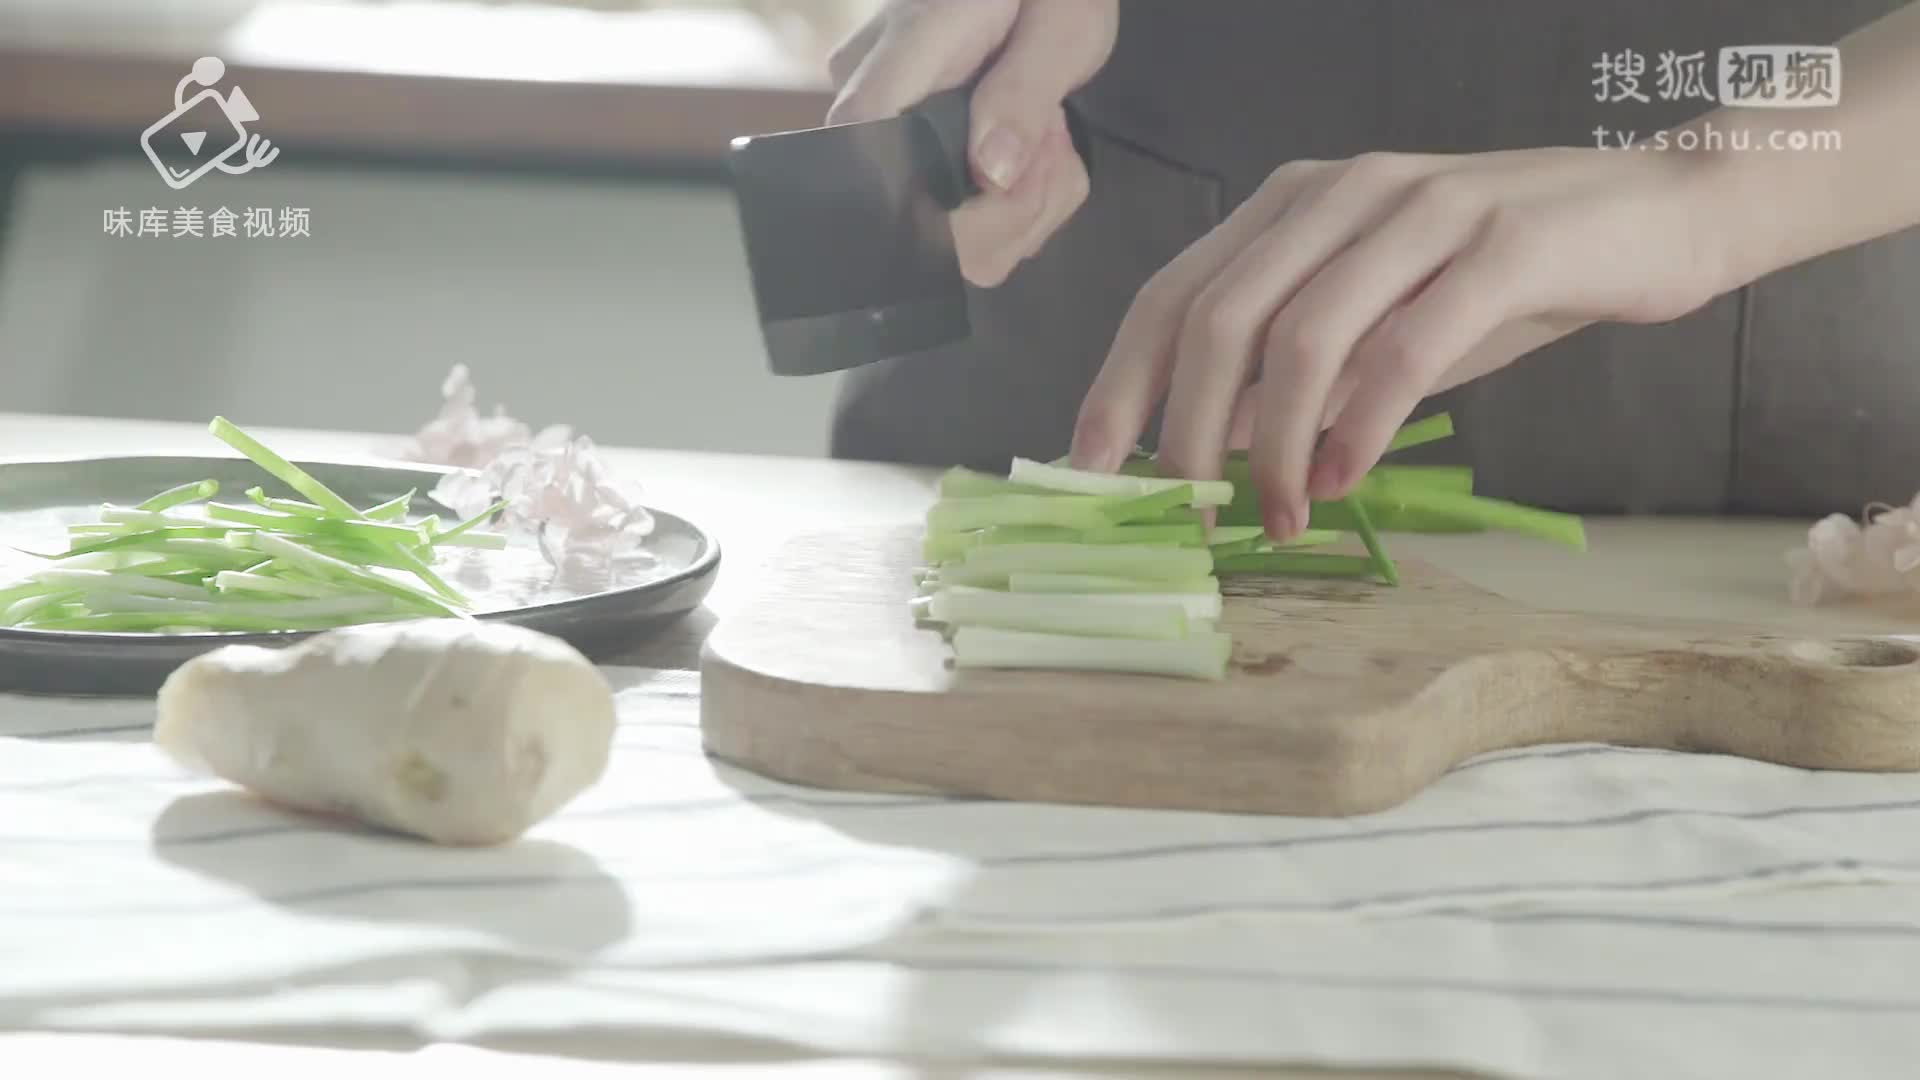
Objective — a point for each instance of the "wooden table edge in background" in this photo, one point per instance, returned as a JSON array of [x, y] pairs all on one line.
[[85, 80]]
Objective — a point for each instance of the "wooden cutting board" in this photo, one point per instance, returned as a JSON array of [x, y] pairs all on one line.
[[1344, 697]]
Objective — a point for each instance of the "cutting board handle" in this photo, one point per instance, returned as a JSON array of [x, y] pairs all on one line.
[[1841, 703]]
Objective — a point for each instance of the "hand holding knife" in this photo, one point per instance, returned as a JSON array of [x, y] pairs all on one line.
[[848, 234]]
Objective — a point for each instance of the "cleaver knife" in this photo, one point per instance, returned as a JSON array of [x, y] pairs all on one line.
[[849, 245]]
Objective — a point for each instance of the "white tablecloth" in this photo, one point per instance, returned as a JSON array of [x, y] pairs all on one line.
[[1563, 912]]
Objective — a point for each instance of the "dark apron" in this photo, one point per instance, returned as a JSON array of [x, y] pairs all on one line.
[[1797, 395]]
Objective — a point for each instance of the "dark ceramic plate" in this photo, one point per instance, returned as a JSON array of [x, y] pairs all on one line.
[[40, 498]]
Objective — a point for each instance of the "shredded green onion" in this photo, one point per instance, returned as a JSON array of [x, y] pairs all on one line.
[[470, 524], [283, 470], [185, 493], [180, 563]]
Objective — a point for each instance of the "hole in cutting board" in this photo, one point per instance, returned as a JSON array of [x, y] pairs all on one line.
[[1861, 652]]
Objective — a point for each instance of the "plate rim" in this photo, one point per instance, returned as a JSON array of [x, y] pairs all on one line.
[[705, 562]]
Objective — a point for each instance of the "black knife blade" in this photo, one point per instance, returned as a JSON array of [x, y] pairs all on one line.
[[849, 245]]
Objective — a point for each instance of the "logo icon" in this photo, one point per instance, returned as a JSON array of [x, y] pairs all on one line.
[[206, 131], [1780, 76]]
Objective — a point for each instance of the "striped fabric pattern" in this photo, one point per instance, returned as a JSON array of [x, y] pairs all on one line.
[[1565, 911]]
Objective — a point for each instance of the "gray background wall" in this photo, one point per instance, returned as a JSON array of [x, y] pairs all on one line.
[[620, 307]]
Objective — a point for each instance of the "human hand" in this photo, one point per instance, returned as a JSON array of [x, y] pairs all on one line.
[[1034, 53], [1343, 293]]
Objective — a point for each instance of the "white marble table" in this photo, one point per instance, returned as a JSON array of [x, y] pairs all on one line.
[[1730, 570]]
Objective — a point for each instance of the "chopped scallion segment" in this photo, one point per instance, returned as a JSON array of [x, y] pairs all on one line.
[[1420, 432], [1240, 545], [1386, 514], [157, 566], [1071, 512], [393, 509], [1297, 563], [26, 590], [964, 483], [1117, 560], [962, 574], [127, 583], [1381, 564], [1202, 655], [196, 491], [166, 539], [1224, 535], [1484, 512], [1083, 482], [282, 470], [1239, 541], [1187, 533], [483, 540], [421, 570], [29, 606], [370, 531], [131, 520], [103, 560], [1457, 478], [1200, 604], [1031, 581], [328, 607], [231, 581], [1149, 507], [328, 568], [470, 524], [151, 622], [940, 547], [285, 506], [1058, 613]]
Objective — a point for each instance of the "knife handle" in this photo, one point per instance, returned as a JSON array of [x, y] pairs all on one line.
[[946, 123]]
